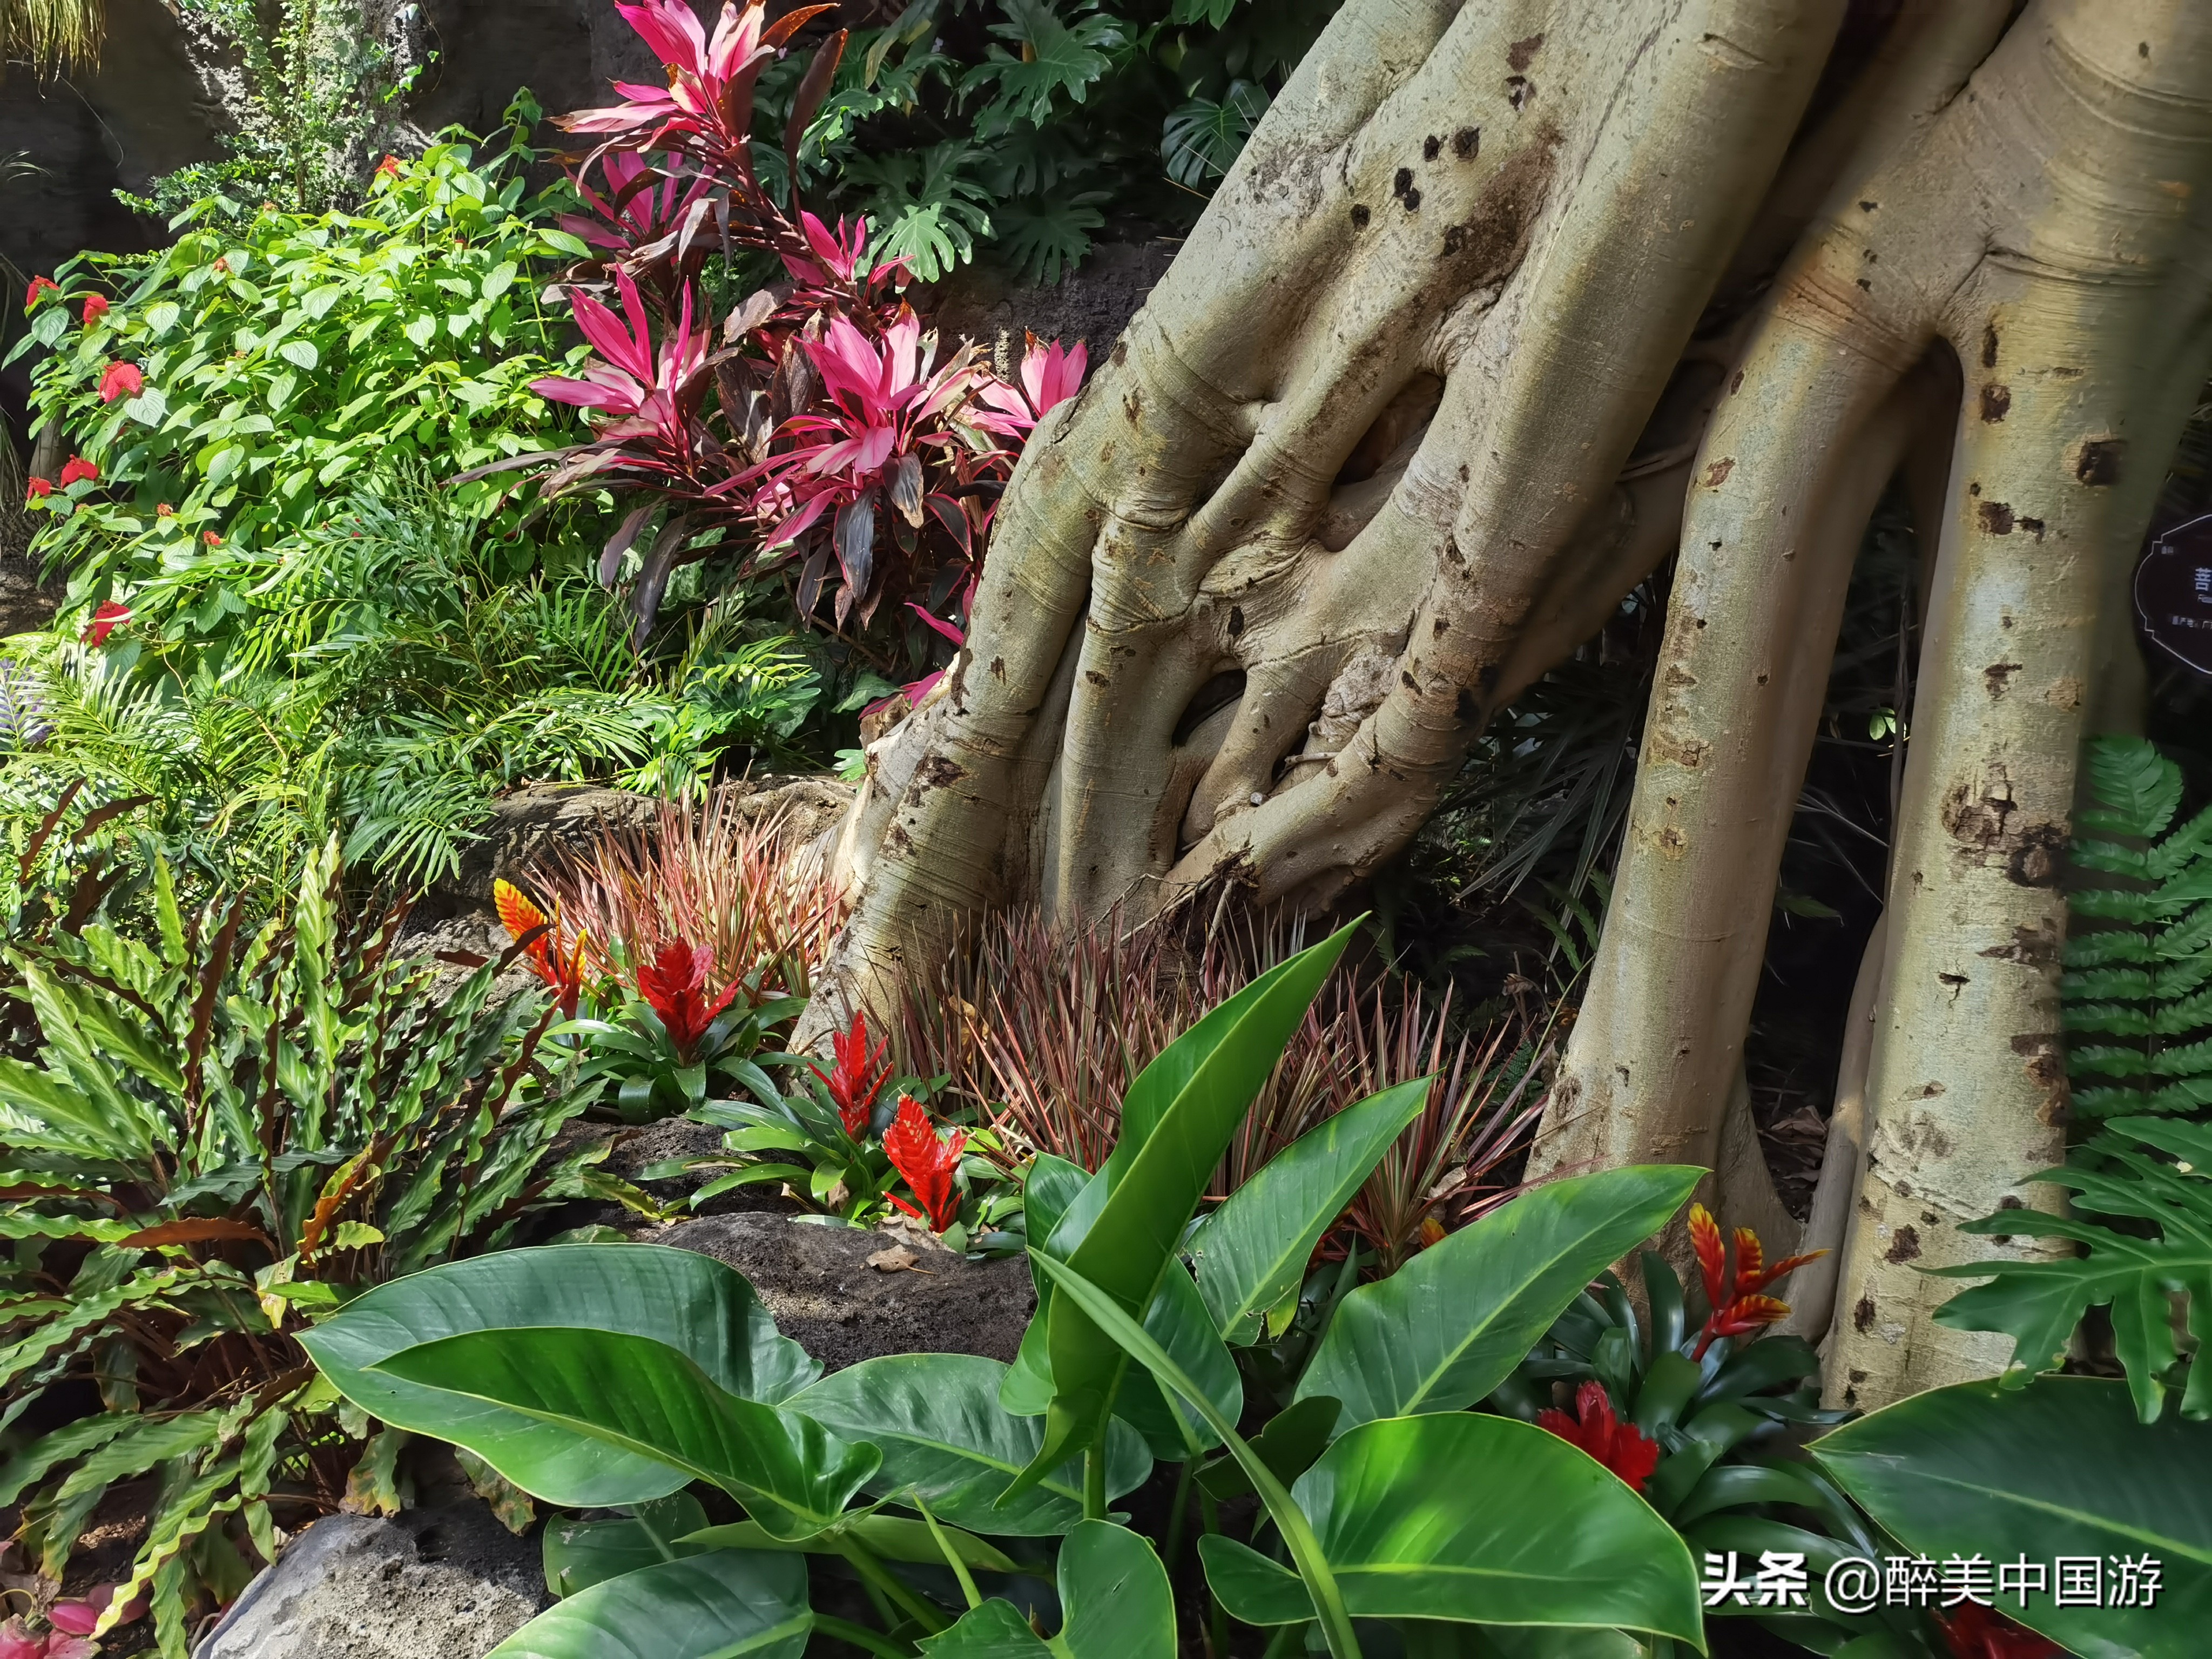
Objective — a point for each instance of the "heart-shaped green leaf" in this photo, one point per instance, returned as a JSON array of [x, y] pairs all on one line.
[[581, 1554], [792, 1474], [1472, 1519], [1448, 1327], [1116, 1603], [692, 1302], [936, 1419], [2060, 1468], [726, 1605], [1253, 1251]]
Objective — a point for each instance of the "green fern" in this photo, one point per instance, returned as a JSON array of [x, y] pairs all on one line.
[[2145, 975], [2141, 1274]]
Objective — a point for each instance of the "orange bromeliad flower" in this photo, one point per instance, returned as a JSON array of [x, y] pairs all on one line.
[[565, 974], [1735, 1300], [1621, 1447], [927, 1162]]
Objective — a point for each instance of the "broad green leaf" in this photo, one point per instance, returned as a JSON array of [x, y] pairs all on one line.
[[727, 1605], [300, 354], [1178, 1322], [579, 1554], [1253, 1251], [792, 1476], [1448, 1327], [1290, 1520], [1192, 1097], [1474, 1519], [2059, 1467], [690, 1302], [1116, 1603], [889, 1537], [936, 1420]]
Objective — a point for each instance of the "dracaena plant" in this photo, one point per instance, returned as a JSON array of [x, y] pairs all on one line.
[[616, 1375], [221, 1133]]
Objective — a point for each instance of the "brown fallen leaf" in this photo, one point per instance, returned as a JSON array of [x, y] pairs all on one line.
[[896, 1259]]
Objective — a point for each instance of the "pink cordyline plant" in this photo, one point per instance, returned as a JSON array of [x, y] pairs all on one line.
[[864, 461]]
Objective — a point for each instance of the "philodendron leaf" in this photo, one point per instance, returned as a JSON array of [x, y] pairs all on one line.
[[581, 1554], [1114, 1599], [1447, 1327], [691, 1303], [891, 1537], [1472, 1519], [1253, 1251], [2060, 1468], [936, 1420], [792, 1474], [724, 1605], [1179, 1117], [1178, 1322]]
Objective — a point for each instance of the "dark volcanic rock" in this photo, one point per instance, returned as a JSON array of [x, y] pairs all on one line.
[[817, 1282]]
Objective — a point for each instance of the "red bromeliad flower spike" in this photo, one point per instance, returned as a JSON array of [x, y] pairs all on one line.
[[674, 986], [854, 1082], [1735, 1300], [925, 1163], [565, 974], [1621, 1447]]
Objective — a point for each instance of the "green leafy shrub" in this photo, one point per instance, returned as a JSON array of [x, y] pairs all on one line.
[[384, 674], [223, 1135], [2144, 976], [1022, 126], [225, 390], [1392, 1500], [312, 90]]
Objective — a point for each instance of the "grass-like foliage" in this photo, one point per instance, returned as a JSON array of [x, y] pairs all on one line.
[[220, 1134], [2144, 977]]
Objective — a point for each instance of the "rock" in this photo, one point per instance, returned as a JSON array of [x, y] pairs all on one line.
[[534, 821], [830, 1298], [1093, 305], [448, 1583]]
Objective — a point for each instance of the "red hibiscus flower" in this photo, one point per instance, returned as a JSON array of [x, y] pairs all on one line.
[[389, 166], [673, 985], [38, 490], [1737, 1306], [1621, 1447], [77, 467], [121, 381], [854, 1082], [39, 286], [210, 538], [564, 972], [104, 622], [927, 1163], [95, 307], [1976, 1632]]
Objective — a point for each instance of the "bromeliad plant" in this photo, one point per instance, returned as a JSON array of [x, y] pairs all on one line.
[[615, 1376], [223, 1135], [849, 1137], [1707, 1427]]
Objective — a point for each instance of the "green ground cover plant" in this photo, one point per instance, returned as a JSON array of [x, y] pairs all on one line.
[[218, 1132]]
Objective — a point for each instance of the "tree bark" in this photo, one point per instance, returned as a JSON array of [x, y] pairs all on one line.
[[1484, 323]]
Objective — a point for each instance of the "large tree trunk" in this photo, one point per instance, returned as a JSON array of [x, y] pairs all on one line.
[[1423, 397]]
